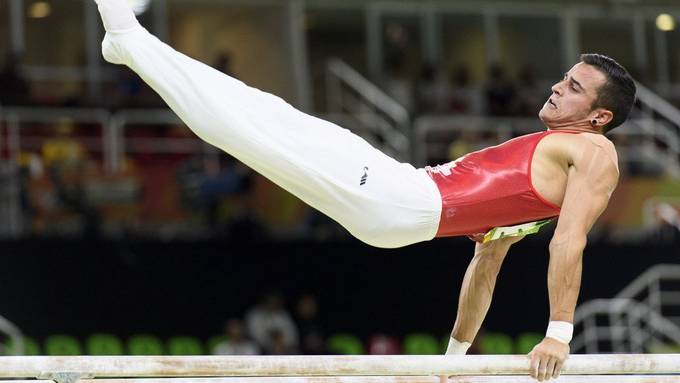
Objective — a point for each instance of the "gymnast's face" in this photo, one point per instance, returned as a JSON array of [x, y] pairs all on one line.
[[571, 102]]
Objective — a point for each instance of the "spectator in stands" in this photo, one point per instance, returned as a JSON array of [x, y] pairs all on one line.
[[500, 93], [66, 162], [132, 92], [30, 168], [267, 319], [237, 343], [311, 330], [206, 183], [432, 92], [15, 89], [381, 344], [278, 344], [399, 84], [464, 97], [530, 95]]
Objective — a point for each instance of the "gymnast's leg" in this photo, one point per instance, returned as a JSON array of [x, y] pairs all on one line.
[[317, 161]]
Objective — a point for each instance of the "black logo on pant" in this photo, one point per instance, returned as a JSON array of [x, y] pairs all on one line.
[[364, 177]]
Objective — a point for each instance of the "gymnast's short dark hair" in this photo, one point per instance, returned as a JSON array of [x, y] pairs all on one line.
[[618, 93]]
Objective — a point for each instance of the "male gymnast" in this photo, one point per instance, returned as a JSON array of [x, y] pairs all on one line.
[[568, 171]]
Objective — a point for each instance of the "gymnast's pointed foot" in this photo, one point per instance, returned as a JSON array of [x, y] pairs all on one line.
[[118, 18]]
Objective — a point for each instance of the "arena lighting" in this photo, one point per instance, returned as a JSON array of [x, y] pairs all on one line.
[[39, 10], [665, 22], [139, 6]]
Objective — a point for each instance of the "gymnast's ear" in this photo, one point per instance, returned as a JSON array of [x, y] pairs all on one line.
[[600, 117]]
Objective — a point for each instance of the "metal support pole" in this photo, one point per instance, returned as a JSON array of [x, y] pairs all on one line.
[[570, 39], [297, 41], [92, 50], [663, 72], [374, 51], [640, 45], [16, 24], [491, 37], [429, 24]]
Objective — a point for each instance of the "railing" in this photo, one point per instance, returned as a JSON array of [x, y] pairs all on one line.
[[647, 288], [15, 336], [635, 319], [426, 127], [629, 326], [150, 117], [110, 141], [378, 117], [652, 104]]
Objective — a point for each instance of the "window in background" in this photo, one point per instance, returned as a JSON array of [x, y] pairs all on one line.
[[331, 33], [248, 41], [611, 37]]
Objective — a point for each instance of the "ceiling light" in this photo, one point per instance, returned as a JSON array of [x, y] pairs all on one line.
[[665, 22], [39, 10]]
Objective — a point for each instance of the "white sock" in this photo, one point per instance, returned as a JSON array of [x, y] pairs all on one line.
[[456, 347], [117, 15]]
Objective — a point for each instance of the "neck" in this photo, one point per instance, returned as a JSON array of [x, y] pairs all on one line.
[[581, 126]]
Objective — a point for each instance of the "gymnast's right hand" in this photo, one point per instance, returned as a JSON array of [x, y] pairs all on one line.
[[547, 359]]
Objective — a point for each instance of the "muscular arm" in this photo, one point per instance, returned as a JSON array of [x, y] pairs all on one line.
[[478, 285], [591, 179]]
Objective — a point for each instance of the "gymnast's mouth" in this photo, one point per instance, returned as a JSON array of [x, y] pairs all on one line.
[[550, 101]]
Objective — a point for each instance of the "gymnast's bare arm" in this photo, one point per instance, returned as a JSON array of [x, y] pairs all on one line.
[[592, 177], [478, 284]]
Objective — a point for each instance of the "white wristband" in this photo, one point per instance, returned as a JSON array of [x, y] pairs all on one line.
[[456, 347], [562, 331]]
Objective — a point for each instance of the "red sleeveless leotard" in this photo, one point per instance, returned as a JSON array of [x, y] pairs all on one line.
[[491, 187]]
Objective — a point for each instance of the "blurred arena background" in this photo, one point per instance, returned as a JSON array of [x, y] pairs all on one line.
[[123, 233]]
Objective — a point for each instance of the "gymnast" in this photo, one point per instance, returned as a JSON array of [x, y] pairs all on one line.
[[495, 196]]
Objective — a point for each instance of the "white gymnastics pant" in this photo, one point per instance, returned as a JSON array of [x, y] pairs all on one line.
[[317, 161]]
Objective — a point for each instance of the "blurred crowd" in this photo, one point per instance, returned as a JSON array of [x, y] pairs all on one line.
[[431, 89], [269, 328]]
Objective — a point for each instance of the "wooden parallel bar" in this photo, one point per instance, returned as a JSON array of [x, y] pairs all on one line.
[[387, 379], [371, 365]]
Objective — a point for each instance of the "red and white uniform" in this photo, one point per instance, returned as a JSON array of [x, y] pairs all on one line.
[[491, 187]]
